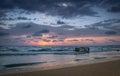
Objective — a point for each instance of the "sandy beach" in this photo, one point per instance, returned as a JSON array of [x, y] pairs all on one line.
[[107, 68]]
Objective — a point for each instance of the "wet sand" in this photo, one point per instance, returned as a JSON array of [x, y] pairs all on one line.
[[107, 68]]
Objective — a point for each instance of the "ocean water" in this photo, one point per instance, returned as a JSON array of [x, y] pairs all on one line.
[[26, 58]]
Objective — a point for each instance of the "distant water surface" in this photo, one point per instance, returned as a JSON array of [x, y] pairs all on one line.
[[26, 57]]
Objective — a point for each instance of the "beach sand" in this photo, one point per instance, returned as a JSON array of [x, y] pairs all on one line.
[[109, 68]]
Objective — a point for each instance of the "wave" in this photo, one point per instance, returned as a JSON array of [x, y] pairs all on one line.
[[21, 54], [12, 50], [21, 64], [35, 49], [39, 50], [100, 57], [39, 53]]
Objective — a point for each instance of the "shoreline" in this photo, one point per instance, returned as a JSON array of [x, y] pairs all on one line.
[[103, 65]]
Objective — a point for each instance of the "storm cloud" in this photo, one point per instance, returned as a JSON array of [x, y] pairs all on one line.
[[64, 8], [4, 34], [110, 32], [77, 21], [39, 33], [111, 27]]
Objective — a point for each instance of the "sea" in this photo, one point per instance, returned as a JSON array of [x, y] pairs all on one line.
[[29, 58]]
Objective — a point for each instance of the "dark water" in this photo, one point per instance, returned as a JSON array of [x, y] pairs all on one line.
[[22, 57], [35, 50]]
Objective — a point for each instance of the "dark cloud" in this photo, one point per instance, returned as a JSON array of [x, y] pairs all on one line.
[[110, 33], [28, 29], [54, 40], [33, 31], [52, 36], [61, 40], [46, 40], [74, 40], [89, 39], [2, 23], [113, 1], [44, 31], [39, 33], [5, 18], [114, 9], [28, 36], [76, 11], [27, 26], [22, 18], [16, 18], [64, 8], [4, 34], [110, 5], [112, 26], [66, 26], [38, 30], [60, 22], [58, 40]]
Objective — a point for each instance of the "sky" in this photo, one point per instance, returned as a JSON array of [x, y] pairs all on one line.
[[59, 22]]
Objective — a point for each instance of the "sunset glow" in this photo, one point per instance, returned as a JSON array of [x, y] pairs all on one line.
[[76, 41], [54, 23], [44, 43]]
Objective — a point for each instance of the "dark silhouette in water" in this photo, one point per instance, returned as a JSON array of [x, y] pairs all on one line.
[[82, 49], [77, 49], [117, 50]]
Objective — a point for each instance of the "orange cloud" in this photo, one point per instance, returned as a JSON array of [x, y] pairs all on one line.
[[76, 41]]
